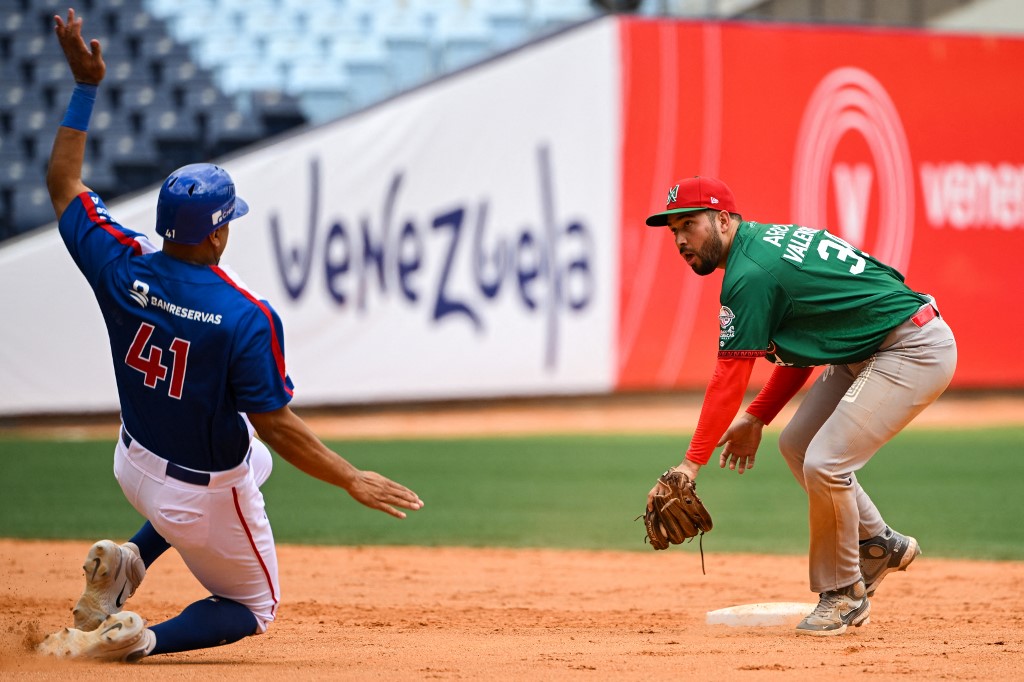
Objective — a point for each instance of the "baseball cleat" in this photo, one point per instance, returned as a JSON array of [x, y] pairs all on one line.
[[112, 574], [122, 637], [836, 611], [884, 554]]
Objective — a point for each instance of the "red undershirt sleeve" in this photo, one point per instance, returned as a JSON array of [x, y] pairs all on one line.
[[721, 403], [780, 388]]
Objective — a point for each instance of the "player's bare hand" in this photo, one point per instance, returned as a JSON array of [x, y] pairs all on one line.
[[380, 492], [86, 61], [741, 441]]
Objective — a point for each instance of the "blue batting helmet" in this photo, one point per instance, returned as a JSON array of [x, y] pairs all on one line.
[[194, 201]]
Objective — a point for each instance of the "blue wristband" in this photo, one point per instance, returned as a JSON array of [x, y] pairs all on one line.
[[80, 107]]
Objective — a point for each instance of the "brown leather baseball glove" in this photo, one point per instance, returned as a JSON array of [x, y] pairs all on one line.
[[676, 513]]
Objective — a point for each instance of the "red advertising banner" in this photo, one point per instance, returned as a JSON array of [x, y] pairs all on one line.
[[910, 145]]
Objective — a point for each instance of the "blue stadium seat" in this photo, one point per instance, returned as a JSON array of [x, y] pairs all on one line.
[[30, 206], [11, 24], [462, 39], [206, 97], [172, 8], [331, 25], [365, 12], [269, 20], [185, 75], [239, 77], [509, 21], [100, 178], [229, 130], [123, 148], [365, 62], [16, 96], [218, 51], [277, 111], [547, 15], [408, 43], [15, 169], [322, 88], [163, 48], [175, 134], [288, 50], [146, 98], [198, 23]]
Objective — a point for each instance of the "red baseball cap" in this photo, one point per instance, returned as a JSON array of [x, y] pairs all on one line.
[[695, 194]]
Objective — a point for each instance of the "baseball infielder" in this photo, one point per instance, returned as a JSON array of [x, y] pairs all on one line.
[[802, 297], [199, 362]]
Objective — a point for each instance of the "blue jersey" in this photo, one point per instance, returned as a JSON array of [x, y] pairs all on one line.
[[193, 348]]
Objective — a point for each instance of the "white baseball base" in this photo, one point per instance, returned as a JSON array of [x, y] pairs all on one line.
[[756, 615]]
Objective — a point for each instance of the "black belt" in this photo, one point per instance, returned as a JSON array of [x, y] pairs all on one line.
[[173, 470]]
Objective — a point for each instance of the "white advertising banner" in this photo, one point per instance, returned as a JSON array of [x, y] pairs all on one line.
[[459, 241]]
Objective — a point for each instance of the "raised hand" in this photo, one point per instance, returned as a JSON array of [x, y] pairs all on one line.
[[86, 61]]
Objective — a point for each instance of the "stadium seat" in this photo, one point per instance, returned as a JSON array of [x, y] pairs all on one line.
[[198, 23], [365, 62], [288, 50], [509, 21], [410, 53], [163, 48], [14, 169], [206, 97], [180, 128], [328, 25], [217, 51], [322, 88], [146, 99], [30, 205], [269, 20], [100, 178], [176, 135], [229, 130], [186, 75], [122, 149], [277, 111], [548, 15], [462, 39], [172, 8], [365, 12], [238, 77]]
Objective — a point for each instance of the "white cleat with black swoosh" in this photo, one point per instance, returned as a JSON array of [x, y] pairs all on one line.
[[122, 637], [112, 574]]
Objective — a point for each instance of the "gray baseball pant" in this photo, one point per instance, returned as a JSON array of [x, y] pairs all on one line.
[[846, 416]]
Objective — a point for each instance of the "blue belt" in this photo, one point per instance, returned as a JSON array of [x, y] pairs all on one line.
[[173, 470]]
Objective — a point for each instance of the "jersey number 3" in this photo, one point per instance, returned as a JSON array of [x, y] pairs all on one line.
[[151, 365]]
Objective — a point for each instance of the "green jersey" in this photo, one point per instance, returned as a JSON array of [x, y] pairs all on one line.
[[804, 297]]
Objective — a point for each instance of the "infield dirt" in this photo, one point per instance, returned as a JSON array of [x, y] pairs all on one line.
[[365, 613]]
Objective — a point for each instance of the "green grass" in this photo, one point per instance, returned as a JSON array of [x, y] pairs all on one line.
[[958, 492]]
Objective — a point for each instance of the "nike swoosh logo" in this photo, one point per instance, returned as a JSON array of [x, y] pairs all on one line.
[[115, 626], [96, 567], [120, 597]]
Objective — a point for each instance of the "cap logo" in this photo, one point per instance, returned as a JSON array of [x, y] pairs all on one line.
[[714, 200], [673, 194], [224, 212]]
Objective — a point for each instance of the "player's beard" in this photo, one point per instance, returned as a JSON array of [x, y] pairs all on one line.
[[708, 255]]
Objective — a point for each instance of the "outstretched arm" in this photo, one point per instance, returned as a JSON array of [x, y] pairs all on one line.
[[291, 438], [64, 175]]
